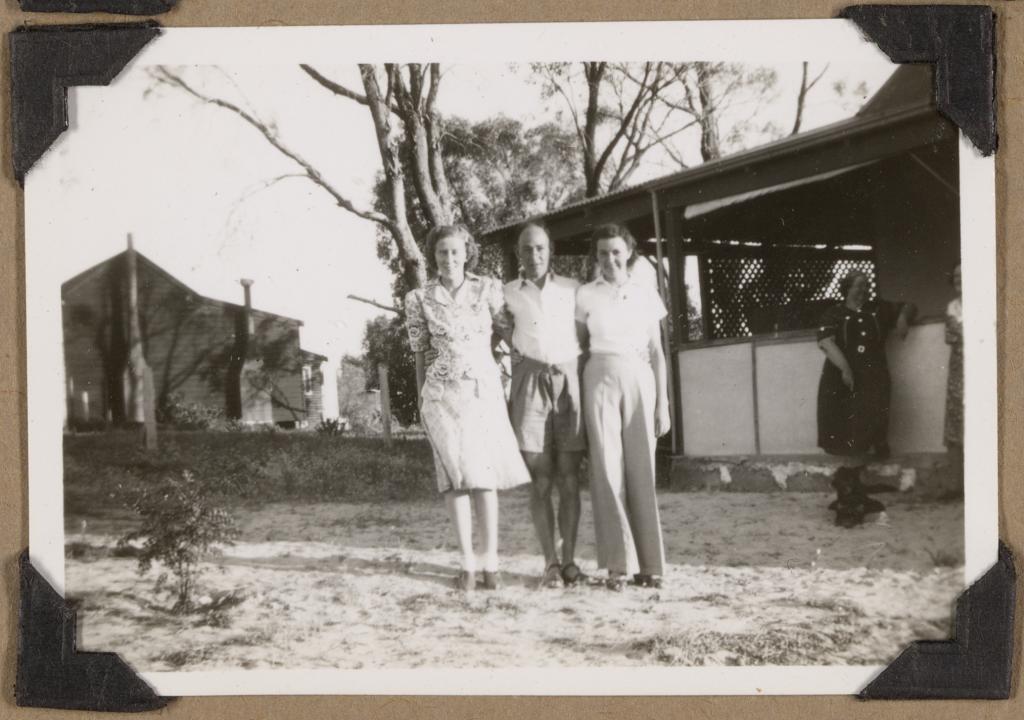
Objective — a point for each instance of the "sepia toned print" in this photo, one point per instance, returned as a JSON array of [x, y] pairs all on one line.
[[513, 366]]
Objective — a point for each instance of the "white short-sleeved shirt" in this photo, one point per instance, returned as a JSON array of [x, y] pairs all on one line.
[[619, 318], [544, 319]]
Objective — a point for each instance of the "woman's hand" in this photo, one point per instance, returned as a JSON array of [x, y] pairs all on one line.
[[902, 327], [662, 418], [847, 374]]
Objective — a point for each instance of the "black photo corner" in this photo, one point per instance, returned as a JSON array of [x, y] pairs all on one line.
[[121, 7], [45, 61]]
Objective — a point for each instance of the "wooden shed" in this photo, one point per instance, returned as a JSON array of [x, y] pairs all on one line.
[[207, 353]]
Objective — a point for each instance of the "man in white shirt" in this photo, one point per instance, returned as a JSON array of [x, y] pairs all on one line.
[[545, 403]]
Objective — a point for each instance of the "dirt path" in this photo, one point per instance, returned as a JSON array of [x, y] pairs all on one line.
[[752, 578]]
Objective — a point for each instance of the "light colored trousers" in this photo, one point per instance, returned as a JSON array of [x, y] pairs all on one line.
[[618, 406]]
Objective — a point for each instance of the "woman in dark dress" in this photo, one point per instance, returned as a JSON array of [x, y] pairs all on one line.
[[953, 434], [853, 394]]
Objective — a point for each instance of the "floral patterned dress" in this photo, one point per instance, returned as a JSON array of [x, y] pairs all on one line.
[[954, 430], [462, 403]]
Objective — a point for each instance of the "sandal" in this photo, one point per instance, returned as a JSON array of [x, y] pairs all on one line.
[[648, 581], [552, 576], [572, 575], [492, 580], [616, 583], [465, 581]]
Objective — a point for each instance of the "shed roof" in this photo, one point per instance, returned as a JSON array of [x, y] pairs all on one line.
[[70, 284]]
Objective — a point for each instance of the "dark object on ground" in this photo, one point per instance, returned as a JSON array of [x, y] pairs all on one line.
[[53, 674], [853, 500]]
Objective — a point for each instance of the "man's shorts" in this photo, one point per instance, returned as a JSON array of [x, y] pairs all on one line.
[[545, 408]]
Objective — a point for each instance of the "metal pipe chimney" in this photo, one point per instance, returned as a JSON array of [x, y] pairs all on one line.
[[247, 289]]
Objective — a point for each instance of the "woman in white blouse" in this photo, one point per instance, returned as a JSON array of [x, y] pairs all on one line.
[[625, 404]]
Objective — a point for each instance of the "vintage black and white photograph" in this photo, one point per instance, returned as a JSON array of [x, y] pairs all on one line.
[[538, 358]]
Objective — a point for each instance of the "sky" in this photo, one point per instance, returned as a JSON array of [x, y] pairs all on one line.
[[193, 184]]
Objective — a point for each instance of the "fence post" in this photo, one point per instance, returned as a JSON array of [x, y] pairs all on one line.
[[149, 407], [385, 402]]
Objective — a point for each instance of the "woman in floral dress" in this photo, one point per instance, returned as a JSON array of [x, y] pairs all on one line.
[[451, 322]]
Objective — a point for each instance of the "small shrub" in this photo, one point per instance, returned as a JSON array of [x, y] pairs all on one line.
[[330, 426], [182, 415], [179, 524], [234, 425]]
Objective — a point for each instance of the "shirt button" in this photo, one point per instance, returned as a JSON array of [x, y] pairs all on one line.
[[861, 348], [860, 320]]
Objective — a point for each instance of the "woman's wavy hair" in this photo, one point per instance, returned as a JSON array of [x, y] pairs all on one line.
[[441, 232], [847, 282], [612, 230]]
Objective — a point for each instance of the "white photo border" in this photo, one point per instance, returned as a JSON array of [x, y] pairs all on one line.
[[735, 40]]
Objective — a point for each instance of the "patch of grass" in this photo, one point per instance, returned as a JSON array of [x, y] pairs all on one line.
[[105, 471], [187, 656], [836, 606], [772, 646]]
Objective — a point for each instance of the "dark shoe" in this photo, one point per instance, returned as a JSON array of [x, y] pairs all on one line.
[[616, 583], [552, 576], [465, 581], [572, 575], [492, 580], [648, 581]]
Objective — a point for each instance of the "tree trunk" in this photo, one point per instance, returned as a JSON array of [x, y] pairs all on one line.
[[136, 358], [710, 148], [413, 266], [800, 98], [594, 73], [385, 402], [438, 173]]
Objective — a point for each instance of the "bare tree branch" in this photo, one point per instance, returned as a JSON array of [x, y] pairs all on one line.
[[376, 304], [334, 87], [165, 75]]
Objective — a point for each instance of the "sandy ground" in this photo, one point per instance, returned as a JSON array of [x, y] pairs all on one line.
[[752, 579]]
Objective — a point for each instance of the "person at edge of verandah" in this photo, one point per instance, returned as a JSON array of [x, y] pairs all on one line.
[[544, 398], [625, 406], [451, 322], [855, 386], [953, 432]]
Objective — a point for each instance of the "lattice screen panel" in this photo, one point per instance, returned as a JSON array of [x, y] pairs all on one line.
[[756, 295]]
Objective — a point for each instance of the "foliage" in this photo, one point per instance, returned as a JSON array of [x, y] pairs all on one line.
[[182, 415], [500, 171], [386, 342], [180, 522], [330, 426]]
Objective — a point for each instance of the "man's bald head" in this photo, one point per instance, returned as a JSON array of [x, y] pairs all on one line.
[[534, 251]]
